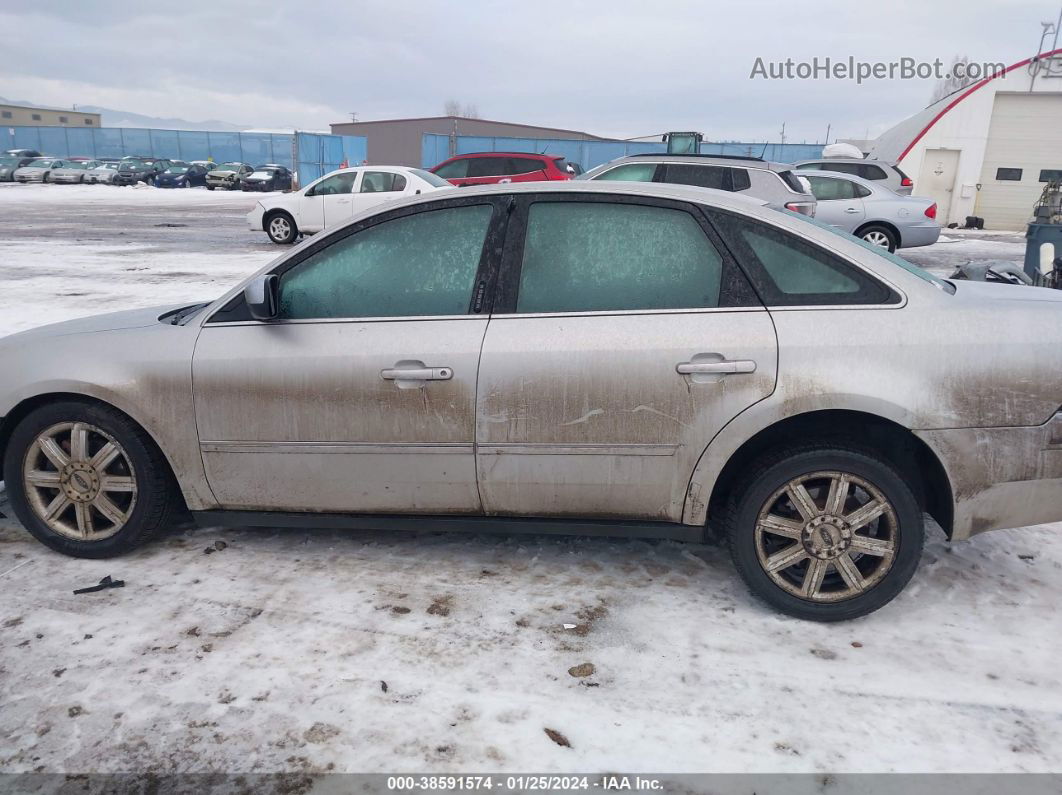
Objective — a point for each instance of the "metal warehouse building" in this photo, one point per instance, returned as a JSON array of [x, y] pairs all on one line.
[[30, 115], [398, 141], [987, 149]]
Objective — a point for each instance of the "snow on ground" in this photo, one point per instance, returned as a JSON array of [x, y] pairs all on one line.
[[373, 651]]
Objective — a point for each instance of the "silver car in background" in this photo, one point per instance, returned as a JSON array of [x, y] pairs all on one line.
[[871, 211], [888, 174], [40, 170], [102, 172], [73, 171], [774, 183], [610, 358]]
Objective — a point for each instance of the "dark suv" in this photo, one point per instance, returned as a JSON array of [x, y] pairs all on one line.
[[133, 170], [486, 168]]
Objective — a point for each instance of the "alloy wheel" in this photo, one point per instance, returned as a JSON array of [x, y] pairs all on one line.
[[79, 481], [876, 238], [280, 228], [827, 536]]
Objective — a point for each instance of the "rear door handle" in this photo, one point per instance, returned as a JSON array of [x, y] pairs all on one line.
[[716, 368], [852, 210]]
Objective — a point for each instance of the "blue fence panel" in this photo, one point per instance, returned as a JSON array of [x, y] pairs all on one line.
[[165, 143], [79, 141], [27, 138], [355, 149], [195, 145], [255, 148], [53, 141], [225, 147], [109, 142], [281, 147], [781, 153], [136, 141]]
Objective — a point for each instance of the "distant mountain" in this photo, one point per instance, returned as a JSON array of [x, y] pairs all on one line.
[[123, 118]]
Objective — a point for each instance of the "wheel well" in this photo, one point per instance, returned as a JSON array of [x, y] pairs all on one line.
[[911, 456], [891, 227], [15, 416], [270, 214]]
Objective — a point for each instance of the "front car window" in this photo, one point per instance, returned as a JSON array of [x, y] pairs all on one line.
[[177, 169], [44, 163], [335, 185], [600, 256], [417, 265], [630, 172]]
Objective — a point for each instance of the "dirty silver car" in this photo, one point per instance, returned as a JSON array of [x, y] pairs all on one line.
[[588, 357]]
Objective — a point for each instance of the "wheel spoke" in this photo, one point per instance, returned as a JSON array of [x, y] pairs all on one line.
[[53, 452], [865, 515], [789, 556], [105, 456], [802, 500], [42, 479], [776, 525], [84, 519], [849, 573], [111, 483], [872, 546], [835, 500], [113, 513], [813, 577], [56, 506], [79, 442]]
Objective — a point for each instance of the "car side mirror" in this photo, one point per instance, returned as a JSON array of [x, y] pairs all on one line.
[[261, 295]]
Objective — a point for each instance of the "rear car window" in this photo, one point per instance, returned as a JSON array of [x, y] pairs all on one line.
[[787, 270], [601, 256], [791, 182], [868, 171], [522, 165]]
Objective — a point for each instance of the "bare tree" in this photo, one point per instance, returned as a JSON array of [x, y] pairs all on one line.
[[454, 108], [952, 83]]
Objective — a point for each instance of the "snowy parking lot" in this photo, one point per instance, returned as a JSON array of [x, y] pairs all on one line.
[[255, 650]]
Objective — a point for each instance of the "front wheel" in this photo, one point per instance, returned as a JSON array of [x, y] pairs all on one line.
[[880, 236], [210, 187], [281, 229], [86, 481], [825, 532]]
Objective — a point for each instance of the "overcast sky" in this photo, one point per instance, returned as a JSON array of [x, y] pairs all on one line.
[[609, 67]]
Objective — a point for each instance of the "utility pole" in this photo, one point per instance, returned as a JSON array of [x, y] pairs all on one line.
[[828, 132], [353, 117], [783, 132]]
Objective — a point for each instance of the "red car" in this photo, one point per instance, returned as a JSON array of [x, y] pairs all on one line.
[[486, 168]]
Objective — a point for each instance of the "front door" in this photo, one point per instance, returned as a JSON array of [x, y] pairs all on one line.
[[327, 202], [623, 341], [360, 397]]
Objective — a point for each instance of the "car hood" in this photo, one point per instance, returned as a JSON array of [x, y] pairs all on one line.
[[31, 168], [217, 172], [112, 321]]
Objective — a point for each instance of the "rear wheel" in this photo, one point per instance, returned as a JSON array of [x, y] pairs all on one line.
[[281, 228], [878, 235], [825, 532], [86, 481]]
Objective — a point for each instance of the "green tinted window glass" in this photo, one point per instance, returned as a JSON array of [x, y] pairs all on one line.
[[423, 264], [599, 256], [797, 269], [631, 172]]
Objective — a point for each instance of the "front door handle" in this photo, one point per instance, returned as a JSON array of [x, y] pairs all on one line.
[[725, 367], [852, 210], [417, 374]]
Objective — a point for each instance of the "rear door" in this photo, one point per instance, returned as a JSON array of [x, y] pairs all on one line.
[[377, 187], [526, 169], [623, 339], [839, 202]]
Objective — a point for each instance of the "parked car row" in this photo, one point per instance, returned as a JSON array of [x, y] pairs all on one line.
[[27, 165]]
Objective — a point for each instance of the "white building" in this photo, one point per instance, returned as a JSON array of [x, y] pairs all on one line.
[[988, 148]]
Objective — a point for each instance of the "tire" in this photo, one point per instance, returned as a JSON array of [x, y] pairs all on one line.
[[281, 228], [210, 187], [47, 176], [878, 235], [883, 552], [144, 499]]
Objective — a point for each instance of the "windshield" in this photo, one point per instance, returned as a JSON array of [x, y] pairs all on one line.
[[431, 179], [911, 268], [8, 161], [43, 163], [176, 169], [133, 164], [77, 164], [230, 166]]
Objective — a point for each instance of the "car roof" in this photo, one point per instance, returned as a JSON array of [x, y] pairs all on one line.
[[722, 160], [814, 172], [844, 160], [687, 193], [538, 155]]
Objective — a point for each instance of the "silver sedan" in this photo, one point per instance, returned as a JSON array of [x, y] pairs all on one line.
[[40, 170], [73, 171], [871, 211], [589, 357]]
